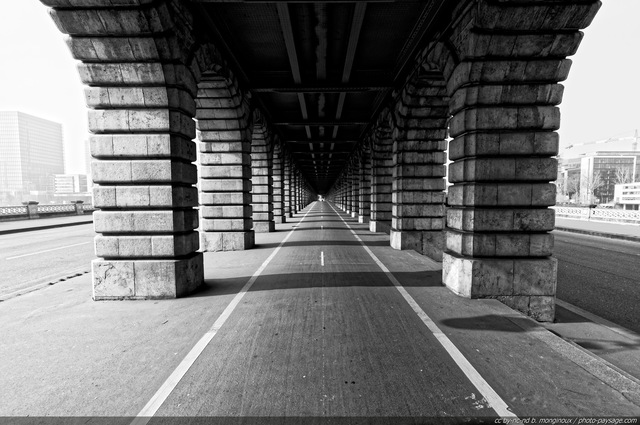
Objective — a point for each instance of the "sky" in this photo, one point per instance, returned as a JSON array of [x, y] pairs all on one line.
[[38, 76]]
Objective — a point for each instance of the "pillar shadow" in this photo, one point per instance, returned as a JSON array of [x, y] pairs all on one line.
[[213, 287], [328, 242]]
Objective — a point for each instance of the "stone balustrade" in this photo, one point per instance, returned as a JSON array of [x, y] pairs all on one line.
[[599, 214], [32, 210]]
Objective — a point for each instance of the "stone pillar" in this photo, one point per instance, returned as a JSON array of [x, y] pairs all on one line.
[[418, 168], [348, 188], [79, 205], [141, 108], [294, 189], [225, 171], [298, 191], [355, 188], [302, 191], [504, 91], [279, 211], [381, 177], [287, 187], [262, 181], [365, 187], [345, 193], [32, 209]]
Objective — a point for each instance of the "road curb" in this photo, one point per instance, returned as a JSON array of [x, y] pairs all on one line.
[[601, 234], [50, 226]]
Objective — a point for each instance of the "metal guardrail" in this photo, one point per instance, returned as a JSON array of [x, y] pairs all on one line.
[[599, 214]]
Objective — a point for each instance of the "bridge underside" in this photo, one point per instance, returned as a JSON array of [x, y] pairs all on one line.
[[357, 101]]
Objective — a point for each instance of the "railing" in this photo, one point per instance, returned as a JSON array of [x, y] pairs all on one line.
[[32, 210], [13, 211], [53, 209], [599, 214]]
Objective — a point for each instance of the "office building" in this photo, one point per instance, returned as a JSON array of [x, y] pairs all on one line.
[[31, 153]]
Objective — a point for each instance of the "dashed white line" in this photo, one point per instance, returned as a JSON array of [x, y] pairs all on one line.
[[172, 381], [494, 400], [322, 258], [47, 250]]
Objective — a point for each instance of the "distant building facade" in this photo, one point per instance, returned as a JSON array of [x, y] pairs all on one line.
[[31, 153], [627, 196], [599, 172], [70, 183]]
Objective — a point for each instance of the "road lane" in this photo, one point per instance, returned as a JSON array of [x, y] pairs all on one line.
[[332, 340], [601, 276], [29, 259]]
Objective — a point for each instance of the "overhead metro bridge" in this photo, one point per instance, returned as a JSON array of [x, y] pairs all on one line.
[[354, 100]]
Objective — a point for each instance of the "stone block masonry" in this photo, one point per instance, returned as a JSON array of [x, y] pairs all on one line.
[[504, 94], [141, 108], [225, 172], [262, 181]]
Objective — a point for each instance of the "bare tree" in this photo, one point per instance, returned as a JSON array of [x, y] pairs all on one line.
[[572, 188], [588, 185], [624, 175]]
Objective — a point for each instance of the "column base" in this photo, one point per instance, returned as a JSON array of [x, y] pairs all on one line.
[[363, 219], [279, 219], [402, 240], [354, 214], [428, 243], [527, 285], [227, 241], [380, 226], [146, 279], [264, 226]]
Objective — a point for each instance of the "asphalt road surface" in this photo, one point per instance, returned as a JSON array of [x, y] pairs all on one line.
[[601, 276], [29, 259]]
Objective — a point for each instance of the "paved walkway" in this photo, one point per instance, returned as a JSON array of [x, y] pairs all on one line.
[[43, 223], [310, 324], [597, 228]]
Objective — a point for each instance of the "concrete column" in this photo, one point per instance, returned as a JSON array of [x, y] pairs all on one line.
[[418, 168], [141, 109], [225, 171], [504, 93], [262, 181], [381, 178], [365, 187], [279, 211]]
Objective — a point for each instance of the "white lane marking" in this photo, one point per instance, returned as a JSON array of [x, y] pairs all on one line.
[[620, 330], [494, 400], [47, 250], [172, 381], [322, 258]]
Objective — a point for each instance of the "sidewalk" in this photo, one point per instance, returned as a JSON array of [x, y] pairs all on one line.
[[18, 226], [630, 232]]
